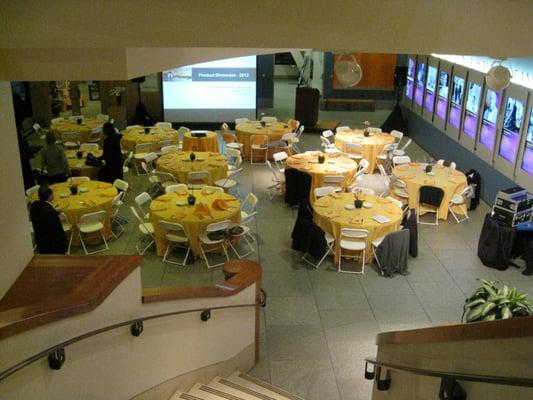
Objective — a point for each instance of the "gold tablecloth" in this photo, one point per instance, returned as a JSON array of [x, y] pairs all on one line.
[[274, 131], [76, 163], [333, 165], [449, 180], [98, 197], [135, 136], [331, 216], [84, 129], [165, 208], [179, 165], [371, 145], [208, 143]]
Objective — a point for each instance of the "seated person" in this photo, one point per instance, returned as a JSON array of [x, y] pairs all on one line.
[[49, 234]]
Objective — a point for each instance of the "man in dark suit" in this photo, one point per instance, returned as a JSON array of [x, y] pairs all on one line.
[[49, 233]]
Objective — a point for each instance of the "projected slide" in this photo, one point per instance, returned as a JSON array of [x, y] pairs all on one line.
[[213, 91], [527, 159], [431, 84], [514, 113], [472, 109], [489, 118], [419, 87], [442, 98], [457, 101], [410, 79]]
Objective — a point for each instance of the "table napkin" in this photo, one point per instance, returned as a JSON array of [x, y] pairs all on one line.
[[103, 185], [163, 198]]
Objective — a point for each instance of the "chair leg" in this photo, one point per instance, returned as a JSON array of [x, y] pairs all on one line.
[[339, 269], [82, 243], [69, 242]]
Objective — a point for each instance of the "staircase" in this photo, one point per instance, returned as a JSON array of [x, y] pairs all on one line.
[[237, 386]]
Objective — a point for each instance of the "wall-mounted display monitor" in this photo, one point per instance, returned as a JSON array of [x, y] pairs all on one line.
[[431, 86], [473, 96], [213, 91], [527, 157], [456, 101], [419, 82], [409, 86], [489, 119], [510, 135], [444, 84]]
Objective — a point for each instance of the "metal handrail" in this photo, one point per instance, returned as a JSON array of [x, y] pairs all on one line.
[[457, 376], [136, 329]]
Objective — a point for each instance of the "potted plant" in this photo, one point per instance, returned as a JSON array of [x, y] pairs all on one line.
[[321, 159], [79, 121], [429, 167], [366, 133], [191, 200], [358, 203], [73, 188], [146, 130], [192, 156], [79, 154], [491, 301]]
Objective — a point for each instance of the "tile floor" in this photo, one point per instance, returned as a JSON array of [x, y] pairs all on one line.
[[319, 325]]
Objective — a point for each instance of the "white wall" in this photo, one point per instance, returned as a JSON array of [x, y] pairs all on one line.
[[15, 238]]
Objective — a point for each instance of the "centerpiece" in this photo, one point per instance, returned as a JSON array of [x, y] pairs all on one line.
[[321, 158], [73, 188], [366, 133], [192, 156], [358, 203]]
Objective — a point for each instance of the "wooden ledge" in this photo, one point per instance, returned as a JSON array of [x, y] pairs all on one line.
[[53, 287], [243, 274], [502, 329]]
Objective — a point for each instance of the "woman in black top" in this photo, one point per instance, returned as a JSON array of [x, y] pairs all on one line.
[[112, 169]]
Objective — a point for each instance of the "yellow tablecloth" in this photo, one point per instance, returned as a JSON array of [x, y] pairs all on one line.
[[135, 136], [449, 180], [331, 216], [165, 208], [98, 197], [179, 165], [333, 165], [371, 145], [84, 129], [208, 143], [274, 131], [76, 163]]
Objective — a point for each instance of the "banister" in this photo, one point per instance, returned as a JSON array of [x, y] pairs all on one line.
[[455, 376], [59, 348]]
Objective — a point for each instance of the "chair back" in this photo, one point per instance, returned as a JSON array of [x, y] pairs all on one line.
[[121, 185], [75, 118], [172, 226], [250, 201], [133, 127], [164, 143], [241, 120], [280, 156], [103, 117], [182, 130], [394, 201], [116, 200], [89, 147], [78, 179], [354, 233], [269, 119], [468, 192], [353, 147], [287, 137], [142, 199], [150, 157], [36, 127], [165, 176], [342, 129], [229, 152], [363, 165], [164, 125], [180, 187], [228, 137], [333, 179], [57, 120], [431, 195], [324, 191], [327, 134], [169, 149], [294, 124], [324, 141], [94, 216], [300, 131], [218, 226], [32, 190], [214, 189], [260, 140], [197, 177], [128, 159], [381, 169], [397, 134], [143, 148], [399, 160], [70, 137]]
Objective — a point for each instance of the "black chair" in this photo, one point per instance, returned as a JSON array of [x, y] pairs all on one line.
[[431, 198], [306, 235], [297, 186]]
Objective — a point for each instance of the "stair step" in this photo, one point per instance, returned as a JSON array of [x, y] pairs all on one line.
[[204, 392], [238, 390], [258, 386], [183, 396]]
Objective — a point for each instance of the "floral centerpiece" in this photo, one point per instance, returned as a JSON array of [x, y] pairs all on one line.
[[358, 202], [366, 133]]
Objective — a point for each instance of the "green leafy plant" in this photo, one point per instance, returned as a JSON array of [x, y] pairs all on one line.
[[492, 301]]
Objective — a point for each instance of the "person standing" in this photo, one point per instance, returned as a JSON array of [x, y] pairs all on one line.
[[54, 160], [49, 234], [112, 155]]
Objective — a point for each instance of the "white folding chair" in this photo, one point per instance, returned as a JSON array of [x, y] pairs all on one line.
[[180, 187], [330, 242], [127, 162], [342, 129], [40, 131], [95, 136], [71, 140], [31, 191], [143, 200], [103, 117], [164, 143], [176, 237], [214, 244], [453, 165], [459, 200], [141, 150], [57, 120], [296, 139], [325, 143], [163, 125], [394, 201], [333, 180], [279, 159], [76, 180], [230, 183], [294, 124], [67, 228], [276, 189], [89, 147], [387, 152], [353, 150], [328, 134], [324, 191], [234, 158], [133, 127], [241, 120], [353, 240], [197, 179], [169, 149], [269, 120], [240, 231], [92, 223], [147, 230], [401, 151], [400, 189], [361, 169], [165, 179], [122, 187], [258, 146], [116, 219], [397, 135], [399, 160], [214, 189]]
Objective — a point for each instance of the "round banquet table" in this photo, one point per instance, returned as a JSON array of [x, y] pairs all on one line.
[[331, 216], [449, 180], [194, 221], [371, 145], [207, 143], [133, 137], [179, 164], [98, 197], [76, 163], [84, 129], [274, 131], [334, 164]]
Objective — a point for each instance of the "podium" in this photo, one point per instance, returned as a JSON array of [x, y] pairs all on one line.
[[306, 107]]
